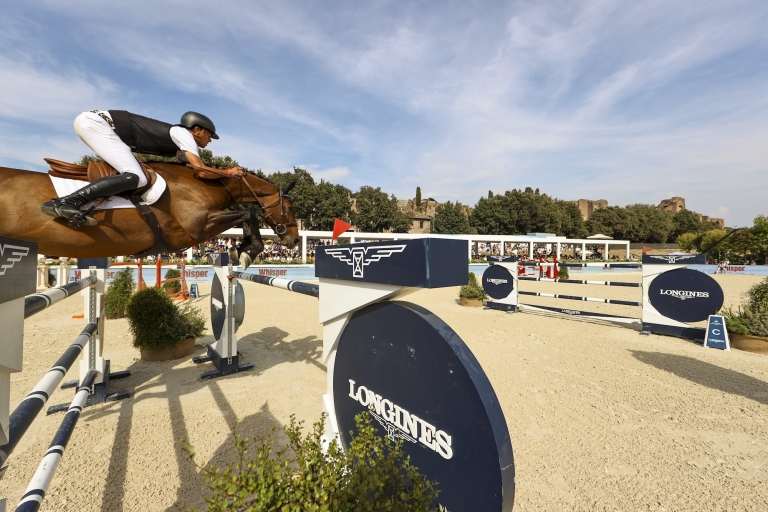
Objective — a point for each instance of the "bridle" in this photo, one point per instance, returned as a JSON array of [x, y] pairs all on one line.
[[281, 227]]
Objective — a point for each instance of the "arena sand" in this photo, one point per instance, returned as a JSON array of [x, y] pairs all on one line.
[[601, 418]]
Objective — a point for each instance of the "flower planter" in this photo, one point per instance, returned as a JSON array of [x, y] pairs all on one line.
[[469, 302], [182, 349], [748, 343]]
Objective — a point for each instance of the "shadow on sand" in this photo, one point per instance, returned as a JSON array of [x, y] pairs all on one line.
[[707, 374], [268, 348]]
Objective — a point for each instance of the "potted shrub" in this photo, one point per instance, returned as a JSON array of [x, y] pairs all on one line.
[[119, 293], [161, 330], [174, 286], [472, 294], [748, 325]]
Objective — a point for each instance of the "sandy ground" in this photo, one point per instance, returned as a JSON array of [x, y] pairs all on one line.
[[601, 418]]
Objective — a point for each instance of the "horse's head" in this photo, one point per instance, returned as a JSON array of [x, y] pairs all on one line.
[[277, 209]]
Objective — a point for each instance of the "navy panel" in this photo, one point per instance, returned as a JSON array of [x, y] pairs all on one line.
[[218, 259], [678, 259], [86, 263], [18, 268], [501, 259], [420, 263], [420, 383]]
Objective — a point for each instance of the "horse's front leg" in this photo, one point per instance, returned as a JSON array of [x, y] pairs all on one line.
[[252, 244]]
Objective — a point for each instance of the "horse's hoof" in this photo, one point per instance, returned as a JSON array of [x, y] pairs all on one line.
[[232, 254], [245, 261]]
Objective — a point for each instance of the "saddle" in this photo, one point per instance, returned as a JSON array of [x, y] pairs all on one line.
[[94, 171]]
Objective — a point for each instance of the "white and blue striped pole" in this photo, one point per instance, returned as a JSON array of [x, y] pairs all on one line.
[[23, 416], [576, 297], [40, 301], [279, 282], [41, 480]]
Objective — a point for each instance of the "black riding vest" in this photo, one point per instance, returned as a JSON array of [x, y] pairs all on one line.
[[144, 135]]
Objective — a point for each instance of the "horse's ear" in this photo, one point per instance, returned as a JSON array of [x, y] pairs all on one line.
[[288, 188]]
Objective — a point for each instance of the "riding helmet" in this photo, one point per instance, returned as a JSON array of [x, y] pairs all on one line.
[[191, 119]]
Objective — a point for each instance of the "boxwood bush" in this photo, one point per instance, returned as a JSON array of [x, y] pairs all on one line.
[[173, 286], [751, 317], [156, 322], [372, 474], [472, 290], [119, 293]]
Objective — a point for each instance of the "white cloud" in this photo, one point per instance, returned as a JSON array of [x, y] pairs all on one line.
[[595, 99], [34, 91]]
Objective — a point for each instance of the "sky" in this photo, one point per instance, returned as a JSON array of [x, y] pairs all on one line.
[[632, 102]]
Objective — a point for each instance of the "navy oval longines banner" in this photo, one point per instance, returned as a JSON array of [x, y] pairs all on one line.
[[420, 383], [498, 282], [685, 295]]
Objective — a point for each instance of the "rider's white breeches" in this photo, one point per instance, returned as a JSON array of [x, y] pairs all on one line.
[[102, 139]]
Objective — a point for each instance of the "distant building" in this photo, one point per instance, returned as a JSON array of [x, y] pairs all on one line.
[[587, 206], [676, 204], [421, 215], [720, 222]]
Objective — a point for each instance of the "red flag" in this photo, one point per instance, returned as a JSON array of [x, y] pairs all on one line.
[[647, 249], [557, 269], [339, 226]]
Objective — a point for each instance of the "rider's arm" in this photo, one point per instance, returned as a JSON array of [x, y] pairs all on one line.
[[185, 141], [211, 172]]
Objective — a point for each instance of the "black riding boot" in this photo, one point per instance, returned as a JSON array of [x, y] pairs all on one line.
[[69, 206]]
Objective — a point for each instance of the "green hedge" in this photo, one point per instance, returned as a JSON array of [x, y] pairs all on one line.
[[119, 293], [472, 290], [156, 322], [372, 474], [751, 317]]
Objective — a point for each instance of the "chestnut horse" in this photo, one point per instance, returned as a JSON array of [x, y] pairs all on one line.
[[191, 211]]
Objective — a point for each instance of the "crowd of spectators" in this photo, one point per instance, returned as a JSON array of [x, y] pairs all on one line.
[[521, 250]]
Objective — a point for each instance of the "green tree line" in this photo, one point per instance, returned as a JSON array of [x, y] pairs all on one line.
[[514, 212]]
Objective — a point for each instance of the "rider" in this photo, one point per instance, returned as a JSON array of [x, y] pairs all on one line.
[[114, 135]]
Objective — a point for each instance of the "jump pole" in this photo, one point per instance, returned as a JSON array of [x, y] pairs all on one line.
[[18, 301], [673, 295], [398, 362]]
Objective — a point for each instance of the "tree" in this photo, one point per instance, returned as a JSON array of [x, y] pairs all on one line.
[[571, 221], [648, 223], [491, 217], [709, 244], [303, 195], [611, 221], [376, 212], [687, 241], [759, 234], [418, 197], [685, 221], [331, 202], [451, 219], [402, 222]]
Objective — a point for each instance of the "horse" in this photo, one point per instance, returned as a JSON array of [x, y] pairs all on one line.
[[190, 211]]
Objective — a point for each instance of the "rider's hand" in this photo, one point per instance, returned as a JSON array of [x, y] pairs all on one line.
[[236, 171]]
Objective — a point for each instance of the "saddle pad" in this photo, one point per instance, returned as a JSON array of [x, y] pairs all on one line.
[[64, 187]]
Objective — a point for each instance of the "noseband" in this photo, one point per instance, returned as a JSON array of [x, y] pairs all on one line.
[[281, 227]]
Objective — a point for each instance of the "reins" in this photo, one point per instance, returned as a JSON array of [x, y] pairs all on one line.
[[281, 227]]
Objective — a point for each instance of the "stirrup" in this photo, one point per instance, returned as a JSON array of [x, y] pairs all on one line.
[[82, 220]]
